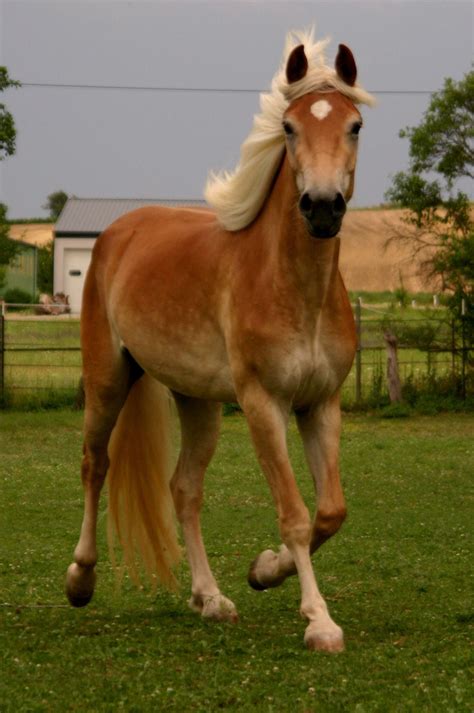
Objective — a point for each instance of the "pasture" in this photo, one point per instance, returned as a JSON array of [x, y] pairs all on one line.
[[396, 577]]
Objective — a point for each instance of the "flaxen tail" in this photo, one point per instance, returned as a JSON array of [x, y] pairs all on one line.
[[141, 511]]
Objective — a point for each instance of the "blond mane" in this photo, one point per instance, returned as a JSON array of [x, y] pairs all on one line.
[[238, 196]]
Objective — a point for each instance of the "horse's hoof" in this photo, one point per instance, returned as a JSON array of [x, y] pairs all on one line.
[[330, 639], [80, 583], [252, 578], [216, 607], [263, 573]]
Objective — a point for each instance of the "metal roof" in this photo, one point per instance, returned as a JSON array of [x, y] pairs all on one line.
[[90, 216]]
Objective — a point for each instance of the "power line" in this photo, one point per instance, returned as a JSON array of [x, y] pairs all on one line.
[[202, 90]]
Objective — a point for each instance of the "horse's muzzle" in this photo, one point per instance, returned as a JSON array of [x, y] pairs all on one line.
[[323, 217]]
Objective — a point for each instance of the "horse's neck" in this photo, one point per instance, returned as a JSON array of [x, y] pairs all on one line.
[[310, 264]]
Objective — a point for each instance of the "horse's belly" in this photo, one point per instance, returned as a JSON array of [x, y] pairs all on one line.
[[211, 382], [197, 368]]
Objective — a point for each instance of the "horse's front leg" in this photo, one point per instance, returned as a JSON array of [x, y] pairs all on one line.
[[268, 423], [200, 421], [320, 428]]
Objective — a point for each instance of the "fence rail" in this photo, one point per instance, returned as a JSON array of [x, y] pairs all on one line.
[[40, 355]]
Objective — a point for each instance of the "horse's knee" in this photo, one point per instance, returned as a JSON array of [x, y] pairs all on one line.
[[328, 523], [295, 526]]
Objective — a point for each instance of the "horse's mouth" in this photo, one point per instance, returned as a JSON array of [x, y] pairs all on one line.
[[323, 230]]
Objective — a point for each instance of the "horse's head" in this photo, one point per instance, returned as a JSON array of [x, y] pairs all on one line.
[[322, 129]]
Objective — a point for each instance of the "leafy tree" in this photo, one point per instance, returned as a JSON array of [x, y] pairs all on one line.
[[45, 268], [9, 249], [438, 224], [7, 124], [443, 141], [55, 203]]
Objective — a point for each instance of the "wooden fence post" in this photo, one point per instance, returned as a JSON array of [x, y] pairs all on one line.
[[393, 377]]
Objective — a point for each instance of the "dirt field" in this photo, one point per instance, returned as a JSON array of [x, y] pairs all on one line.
[[34, 233], [365, 263]]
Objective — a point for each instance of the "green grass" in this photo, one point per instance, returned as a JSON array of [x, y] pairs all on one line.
[[389, 298], [396, 578], [42, 362]]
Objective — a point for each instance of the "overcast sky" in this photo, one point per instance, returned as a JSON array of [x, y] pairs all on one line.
[[150, 96]]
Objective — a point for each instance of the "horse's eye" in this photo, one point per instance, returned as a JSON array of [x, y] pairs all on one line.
[[355, 128], [288, 129]]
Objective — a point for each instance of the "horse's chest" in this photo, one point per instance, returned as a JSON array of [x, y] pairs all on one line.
[[329, 360], [322, 362]]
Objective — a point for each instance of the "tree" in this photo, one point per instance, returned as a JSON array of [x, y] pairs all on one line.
[[8, 248], [55, 203], [7, 124], [443, 141], [439, 226], [45, 268]]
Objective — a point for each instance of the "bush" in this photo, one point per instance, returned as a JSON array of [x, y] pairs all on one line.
[[45, 268], [402, 296], [396, 410], [17, 296], [433, 394]]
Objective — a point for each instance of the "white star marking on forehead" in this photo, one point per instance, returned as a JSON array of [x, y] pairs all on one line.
[[321, 109]]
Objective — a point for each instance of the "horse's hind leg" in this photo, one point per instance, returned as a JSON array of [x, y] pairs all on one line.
[[80, 580], [107, 380], [200, 421]]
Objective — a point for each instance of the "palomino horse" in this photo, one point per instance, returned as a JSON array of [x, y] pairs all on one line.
[[242, 304]]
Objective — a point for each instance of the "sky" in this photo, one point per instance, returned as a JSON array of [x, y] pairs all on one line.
[[148, 97]]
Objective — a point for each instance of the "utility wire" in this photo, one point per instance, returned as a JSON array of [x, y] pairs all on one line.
[[210, 90]]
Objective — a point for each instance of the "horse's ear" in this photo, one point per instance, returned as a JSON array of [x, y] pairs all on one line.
[[297, 65], [345, 65]]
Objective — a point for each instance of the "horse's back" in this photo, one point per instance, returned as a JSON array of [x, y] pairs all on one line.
[[157, 244], [151, 227]]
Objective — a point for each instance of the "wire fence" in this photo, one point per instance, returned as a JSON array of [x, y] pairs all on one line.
[[40, 358]]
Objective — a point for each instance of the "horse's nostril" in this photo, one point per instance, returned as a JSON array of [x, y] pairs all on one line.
[[306, 203]]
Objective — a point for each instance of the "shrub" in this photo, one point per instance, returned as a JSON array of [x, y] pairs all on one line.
[[402, 296], [45, 268], [396, 410], [17, 296]]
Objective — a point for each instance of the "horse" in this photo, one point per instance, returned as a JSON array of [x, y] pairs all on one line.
[[239, 302]]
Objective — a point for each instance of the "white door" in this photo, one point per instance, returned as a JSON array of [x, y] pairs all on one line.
[[76, 263]]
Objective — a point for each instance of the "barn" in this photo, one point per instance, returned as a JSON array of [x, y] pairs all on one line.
[[80, 223]]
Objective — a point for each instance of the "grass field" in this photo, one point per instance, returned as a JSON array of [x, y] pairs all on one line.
[[397, 578]]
